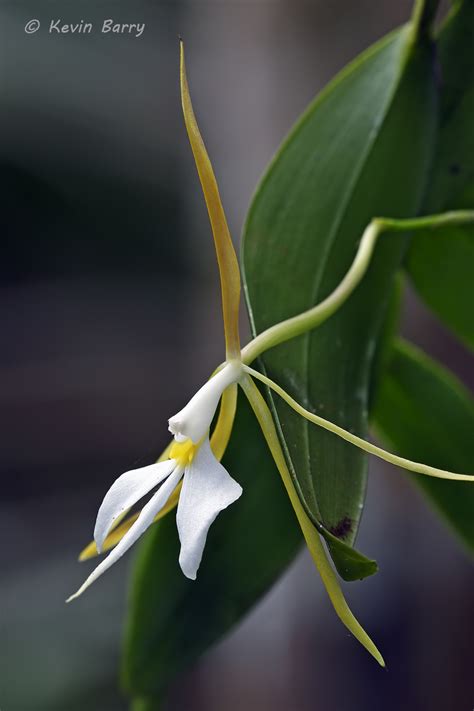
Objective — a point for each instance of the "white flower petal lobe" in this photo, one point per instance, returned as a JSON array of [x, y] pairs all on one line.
[[145, 519], [194, 420], [125, 492], [207, 489]]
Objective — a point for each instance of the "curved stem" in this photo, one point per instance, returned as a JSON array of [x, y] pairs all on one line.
[[295, 326], [306, 321], [310, 534], [416, 467]]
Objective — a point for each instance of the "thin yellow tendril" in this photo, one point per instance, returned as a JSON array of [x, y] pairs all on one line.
[[416, 467], [311, 536], [226, 257], [219, 441]]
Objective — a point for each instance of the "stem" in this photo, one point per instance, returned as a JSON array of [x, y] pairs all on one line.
[[416, 467], [427, 222], [306, 321], [311, 536]]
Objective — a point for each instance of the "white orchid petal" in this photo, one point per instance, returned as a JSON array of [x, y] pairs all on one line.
[[125, 492], [194, 420], [207, 489], [145, 519]]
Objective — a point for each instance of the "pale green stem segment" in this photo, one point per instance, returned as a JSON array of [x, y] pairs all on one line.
[[306, 321], [226, 257], [310, 534], [415, 467]]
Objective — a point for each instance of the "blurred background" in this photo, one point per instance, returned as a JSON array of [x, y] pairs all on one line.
[[109, 291]]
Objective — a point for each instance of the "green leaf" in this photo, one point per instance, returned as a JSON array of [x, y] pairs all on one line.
[[424, 413], [172, 620], [361, 149], [442, 265], [350, 563], [388, 333]]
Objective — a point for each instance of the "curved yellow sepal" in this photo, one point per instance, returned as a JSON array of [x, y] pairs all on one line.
[[226, 257], [311, 536], [223, 429]]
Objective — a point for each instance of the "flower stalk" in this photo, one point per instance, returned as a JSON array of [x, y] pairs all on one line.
[[315, 316]]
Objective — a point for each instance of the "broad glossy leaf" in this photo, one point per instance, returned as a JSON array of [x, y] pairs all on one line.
[[388, 333], [362, 149], [424, 413], [172, 619], [441, 265]]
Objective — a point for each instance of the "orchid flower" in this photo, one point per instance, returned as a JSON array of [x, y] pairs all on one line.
[[189, 474], [207, 488]]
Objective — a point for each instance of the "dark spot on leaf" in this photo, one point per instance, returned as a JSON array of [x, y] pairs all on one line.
[[342, 528], [454, 168]]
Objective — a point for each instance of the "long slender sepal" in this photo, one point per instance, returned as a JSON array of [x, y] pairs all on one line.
[[368, 447], [311, 536], [226, 257]]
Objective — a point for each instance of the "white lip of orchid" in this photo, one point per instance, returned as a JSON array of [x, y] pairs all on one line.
[[194, 420]]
